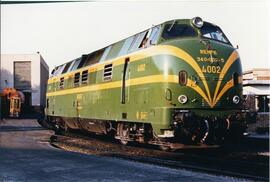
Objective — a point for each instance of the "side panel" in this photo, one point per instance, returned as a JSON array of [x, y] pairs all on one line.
[[148, 79]]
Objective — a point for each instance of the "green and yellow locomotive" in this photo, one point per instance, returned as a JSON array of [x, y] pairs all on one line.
[[177, 82]]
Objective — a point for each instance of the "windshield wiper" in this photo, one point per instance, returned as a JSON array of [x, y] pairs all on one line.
[[169, 29]]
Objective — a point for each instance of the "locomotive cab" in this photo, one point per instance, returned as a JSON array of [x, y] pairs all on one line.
[[208, 98]]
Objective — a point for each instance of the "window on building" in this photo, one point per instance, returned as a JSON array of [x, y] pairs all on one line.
[[263, 103]]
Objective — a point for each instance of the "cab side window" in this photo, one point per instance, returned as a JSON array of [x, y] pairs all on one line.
[[153, 38]]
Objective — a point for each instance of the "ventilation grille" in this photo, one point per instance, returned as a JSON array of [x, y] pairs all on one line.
[[84, 77], [107, 75], [61, 85], [77, 79]]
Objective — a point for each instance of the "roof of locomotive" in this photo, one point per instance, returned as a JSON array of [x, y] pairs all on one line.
[[181, 21]]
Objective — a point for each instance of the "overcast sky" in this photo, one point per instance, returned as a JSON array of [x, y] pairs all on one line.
[[64, 31]]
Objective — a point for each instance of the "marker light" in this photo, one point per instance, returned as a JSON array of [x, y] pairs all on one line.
[[198, 22], [236, 99], [182, 99]]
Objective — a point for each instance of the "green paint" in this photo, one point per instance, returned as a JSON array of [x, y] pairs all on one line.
[[147, 103]]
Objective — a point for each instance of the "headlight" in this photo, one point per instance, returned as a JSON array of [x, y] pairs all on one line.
[[198, 22], [182, 99], [236, 99]]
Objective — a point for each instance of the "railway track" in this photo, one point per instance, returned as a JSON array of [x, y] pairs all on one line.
[[195, 167], [213, 161]]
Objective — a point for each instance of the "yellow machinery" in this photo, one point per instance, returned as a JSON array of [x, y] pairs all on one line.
[[11, 102]]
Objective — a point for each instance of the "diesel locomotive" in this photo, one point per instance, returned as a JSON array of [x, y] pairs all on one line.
[[177, 82]]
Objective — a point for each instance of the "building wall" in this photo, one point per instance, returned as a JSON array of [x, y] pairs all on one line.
[[257, 74], [256, 86], [39, 73], [44, 75]]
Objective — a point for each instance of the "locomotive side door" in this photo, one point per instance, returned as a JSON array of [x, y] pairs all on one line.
[[54, 85], [125, 83]]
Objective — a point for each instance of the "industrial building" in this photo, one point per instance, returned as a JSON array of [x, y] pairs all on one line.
[[256, 89], [27, 73]]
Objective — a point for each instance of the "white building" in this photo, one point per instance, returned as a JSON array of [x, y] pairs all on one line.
[[256, 82], [27, 73], [256, 88]]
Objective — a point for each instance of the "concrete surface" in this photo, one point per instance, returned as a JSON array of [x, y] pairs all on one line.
[[25, 155]]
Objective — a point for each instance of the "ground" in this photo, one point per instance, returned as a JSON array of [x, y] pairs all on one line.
[[26, 155]]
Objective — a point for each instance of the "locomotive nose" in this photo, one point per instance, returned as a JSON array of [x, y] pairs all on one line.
[[221, 69], [213, 72]]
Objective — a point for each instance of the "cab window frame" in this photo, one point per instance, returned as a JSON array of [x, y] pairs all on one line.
[[168, 25], [210, 38], [154, 35]]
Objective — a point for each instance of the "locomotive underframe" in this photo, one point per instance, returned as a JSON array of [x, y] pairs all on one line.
[[191, 127], [187, 127]]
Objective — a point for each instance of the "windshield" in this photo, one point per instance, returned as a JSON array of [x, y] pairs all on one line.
[[213, 32], [178, 30]]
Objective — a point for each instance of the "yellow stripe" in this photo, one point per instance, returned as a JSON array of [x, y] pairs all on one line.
[[142, 54], [118, 84], [153, 79], [188, 59], [131, 82], [142, 80], [228, 85], [233, 57], [85, 89], [193, 85]]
